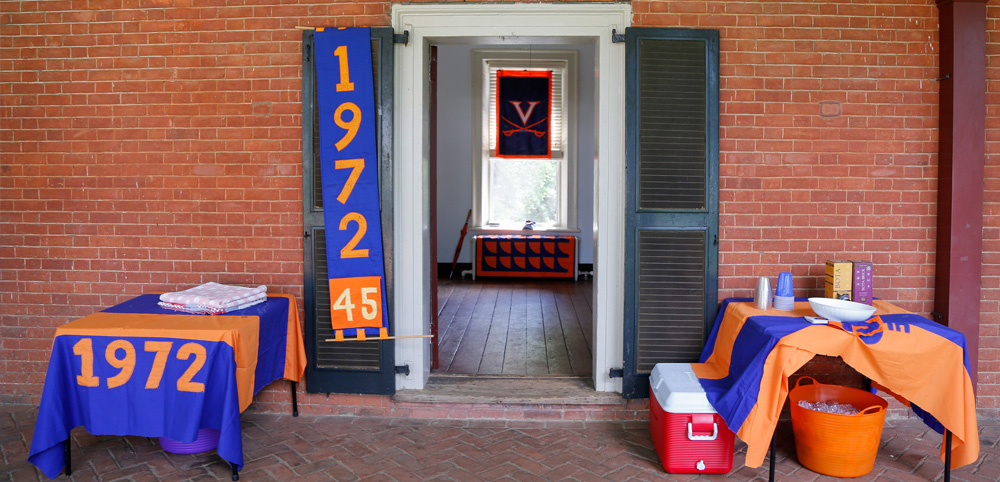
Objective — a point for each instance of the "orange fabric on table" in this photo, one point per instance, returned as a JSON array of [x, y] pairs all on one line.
[[295, 351], [898, 361], [239, 332], [717, 365]]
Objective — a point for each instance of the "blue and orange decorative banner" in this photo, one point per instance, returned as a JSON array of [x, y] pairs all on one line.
[[524, 110], [526, 256], [349, 169]]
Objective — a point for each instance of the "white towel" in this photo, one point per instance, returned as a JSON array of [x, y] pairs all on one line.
[[215, 296], [202, 310]]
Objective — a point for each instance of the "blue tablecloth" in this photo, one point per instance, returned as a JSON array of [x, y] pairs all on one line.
[[166, 374]]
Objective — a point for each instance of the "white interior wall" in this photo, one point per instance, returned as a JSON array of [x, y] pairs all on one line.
[[455, 146]]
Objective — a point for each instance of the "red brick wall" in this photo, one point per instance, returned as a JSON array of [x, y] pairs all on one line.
[[155, 145], [800, 187], [146, 146], [988, 394]]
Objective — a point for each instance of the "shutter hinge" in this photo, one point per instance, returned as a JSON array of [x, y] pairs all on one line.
[[306, 51], [404, 369], [306, 235], [616, 373], [401, 38], [716, 241], [617, 38]]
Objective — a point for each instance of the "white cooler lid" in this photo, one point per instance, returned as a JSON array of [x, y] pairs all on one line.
[[677, 389]]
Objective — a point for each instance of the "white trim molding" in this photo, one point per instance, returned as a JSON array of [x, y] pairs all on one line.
[[506, 24]]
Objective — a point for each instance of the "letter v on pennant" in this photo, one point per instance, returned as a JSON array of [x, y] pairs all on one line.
[[522, 114]]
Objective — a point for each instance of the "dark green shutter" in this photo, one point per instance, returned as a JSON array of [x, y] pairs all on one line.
[[672, 213], [345, 367]]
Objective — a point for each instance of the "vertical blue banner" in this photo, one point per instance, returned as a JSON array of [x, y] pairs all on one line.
[[349, 170]]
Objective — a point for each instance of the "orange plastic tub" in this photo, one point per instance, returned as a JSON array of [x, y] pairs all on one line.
[[834, 444]]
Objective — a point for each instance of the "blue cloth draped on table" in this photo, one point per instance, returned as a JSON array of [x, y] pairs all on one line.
[[750, 353], [139, 369]]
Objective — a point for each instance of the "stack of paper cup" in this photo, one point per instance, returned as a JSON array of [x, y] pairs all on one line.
[[762, 294], [784, 298]]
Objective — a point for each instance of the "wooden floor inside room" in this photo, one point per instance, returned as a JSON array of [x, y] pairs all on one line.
[[515, 327]]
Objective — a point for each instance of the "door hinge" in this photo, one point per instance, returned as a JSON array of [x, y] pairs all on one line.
[[617, 38], [616, 373], [306, 235], [404, 369], [401, 38]]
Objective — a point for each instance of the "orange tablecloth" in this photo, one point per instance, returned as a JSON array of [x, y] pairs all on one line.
[[751, 353]]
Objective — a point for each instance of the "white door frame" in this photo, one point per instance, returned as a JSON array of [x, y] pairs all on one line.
[[501, 23]]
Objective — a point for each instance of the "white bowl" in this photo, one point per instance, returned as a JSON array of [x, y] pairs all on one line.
[[841, 310]]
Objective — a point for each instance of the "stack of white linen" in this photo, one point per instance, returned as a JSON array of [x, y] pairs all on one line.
[[213, 298]]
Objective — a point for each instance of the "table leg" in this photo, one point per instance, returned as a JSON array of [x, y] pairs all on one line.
[[770, 471], [236, 472], [947, 455], [295, 402], [69, 470]]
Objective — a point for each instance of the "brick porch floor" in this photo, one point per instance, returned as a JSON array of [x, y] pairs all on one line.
[[321, 448]]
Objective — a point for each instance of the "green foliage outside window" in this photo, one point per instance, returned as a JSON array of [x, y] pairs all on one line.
[[523, 189]]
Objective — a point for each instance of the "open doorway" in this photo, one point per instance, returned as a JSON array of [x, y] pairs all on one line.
[[519, 326], [536, 24]]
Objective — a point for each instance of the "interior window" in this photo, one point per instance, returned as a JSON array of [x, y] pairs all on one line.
[[515, 190]]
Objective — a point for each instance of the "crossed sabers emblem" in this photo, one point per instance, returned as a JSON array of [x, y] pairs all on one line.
[[524, 119]]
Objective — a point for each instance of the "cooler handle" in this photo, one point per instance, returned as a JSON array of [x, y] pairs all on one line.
[[692, 436]]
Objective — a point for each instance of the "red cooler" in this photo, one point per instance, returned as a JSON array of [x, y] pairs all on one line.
[[689, 436]]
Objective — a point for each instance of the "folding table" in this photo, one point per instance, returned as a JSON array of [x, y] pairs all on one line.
[[139, 369], [750, 353]]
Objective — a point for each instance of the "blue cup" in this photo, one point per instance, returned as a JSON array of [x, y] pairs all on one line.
[[784, 287]]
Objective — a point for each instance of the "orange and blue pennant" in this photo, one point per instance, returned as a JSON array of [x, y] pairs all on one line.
[[524, 112]]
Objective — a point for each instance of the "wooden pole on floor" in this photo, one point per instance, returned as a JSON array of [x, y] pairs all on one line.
[[461, 240]]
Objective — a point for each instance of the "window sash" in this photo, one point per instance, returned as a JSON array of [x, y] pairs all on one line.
[[556, 134], [562, 63], [525, 197]]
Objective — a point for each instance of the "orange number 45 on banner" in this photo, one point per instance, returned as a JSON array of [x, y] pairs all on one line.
[[356, 302]]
